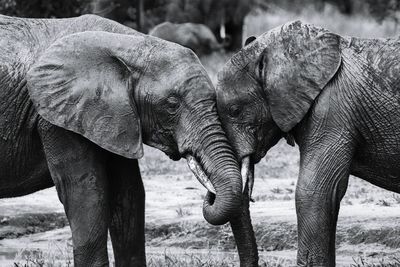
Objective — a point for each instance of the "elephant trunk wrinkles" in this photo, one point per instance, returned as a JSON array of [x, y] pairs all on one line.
[[220, 164], [243, 232]]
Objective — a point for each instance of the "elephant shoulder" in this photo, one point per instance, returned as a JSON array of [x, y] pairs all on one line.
[[91, 22]]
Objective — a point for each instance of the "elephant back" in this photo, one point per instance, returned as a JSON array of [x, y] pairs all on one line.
[[378, 59]]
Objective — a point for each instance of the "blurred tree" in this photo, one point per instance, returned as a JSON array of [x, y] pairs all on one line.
[[122, 11], [384, 9], [43, 8], [138, 14], [344, 6]]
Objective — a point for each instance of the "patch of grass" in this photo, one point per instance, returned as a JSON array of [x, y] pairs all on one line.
[[367, 200], [396, 198], [357, 234], [209, 260], [54, 256], [361, 262], [189, 259], [276, 236], [383, 202], [38, 258], [192, 236], [13, 227], [276, 190], [182, 212]]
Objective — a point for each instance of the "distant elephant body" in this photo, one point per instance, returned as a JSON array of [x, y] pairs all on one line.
[[221, 16], [197, 37], [78, 98], [225, 16], [337, 98]]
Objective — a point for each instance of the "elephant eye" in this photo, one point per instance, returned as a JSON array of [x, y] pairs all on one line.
[[234, 111], [173, 104]]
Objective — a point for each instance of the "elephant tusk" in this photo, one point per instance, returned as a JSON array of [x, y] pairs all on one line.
[[199, 173], [251, 181], [247, 172]]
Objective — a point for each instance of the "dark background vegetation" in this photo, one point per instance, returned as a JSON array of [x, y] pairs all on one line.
[[143, 15]]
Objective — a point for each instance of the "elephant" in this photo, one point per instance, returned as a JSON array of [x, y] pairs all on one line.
[[225, 18], [197, 37], [79, 98], [336, 97]]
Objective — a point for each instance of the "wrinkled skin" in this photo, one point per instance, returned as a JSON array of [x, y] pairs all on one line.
[[337, 98], [79, 97], [197, 37]]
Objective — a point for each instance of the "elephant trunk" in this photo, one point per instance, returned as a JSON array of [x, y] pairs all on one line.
[[215, 165], [241, 226]]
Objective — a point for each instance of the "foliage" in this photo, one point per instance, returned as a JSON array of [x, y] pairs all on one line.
[[43, 8], [383, 9]]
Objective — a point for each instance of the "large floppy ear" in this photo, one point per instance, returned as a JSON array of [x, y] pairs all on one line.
[[84, 83], [298, 62]]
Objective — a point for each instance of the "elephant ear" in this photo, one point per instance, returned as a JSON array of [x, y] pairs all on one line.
[[83, 83], [298, 62]]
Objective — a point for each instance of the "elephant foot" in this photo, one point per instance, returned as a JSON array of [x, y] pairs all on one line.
[[309, 260]]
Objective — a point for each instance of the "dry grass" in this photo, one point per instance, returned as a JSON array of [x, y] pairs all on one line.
[[167, 258], [361, 262]]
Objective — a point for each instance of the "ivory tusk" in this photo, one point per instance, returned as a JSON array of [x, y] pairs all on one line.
[[251, 181], [245, 171], [199, 173]]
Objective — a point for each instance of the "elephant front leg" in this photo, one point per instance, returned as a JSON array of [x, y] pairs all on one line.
[[322, 184], [127, 212], [76, 166]]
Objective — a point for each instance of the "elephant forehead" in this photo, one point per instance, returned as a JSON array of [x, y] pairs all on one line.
[[172, 64], [287, 33], [198, 87], [239, 90]]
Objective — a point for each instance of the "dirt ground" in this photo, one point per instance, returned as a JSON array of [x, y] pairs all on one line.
[[34, 227]]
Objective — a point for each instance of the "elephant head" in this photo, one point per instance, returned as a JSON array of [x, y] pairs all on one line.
[[121, 91], [266, 89]]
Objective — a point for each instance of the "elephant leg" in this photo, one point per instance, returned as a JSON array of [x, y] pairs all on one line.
[[244, 235], [323, 180], [77, 168], [127, 198]]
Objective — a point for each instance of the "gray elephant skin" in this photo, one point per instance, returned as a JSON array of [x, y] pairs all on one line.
[[197, 37], [337, 98], [79, 97]]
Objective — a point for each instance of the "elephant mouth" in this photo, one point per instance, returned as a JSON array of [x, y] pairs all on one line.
[[199, 173]]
